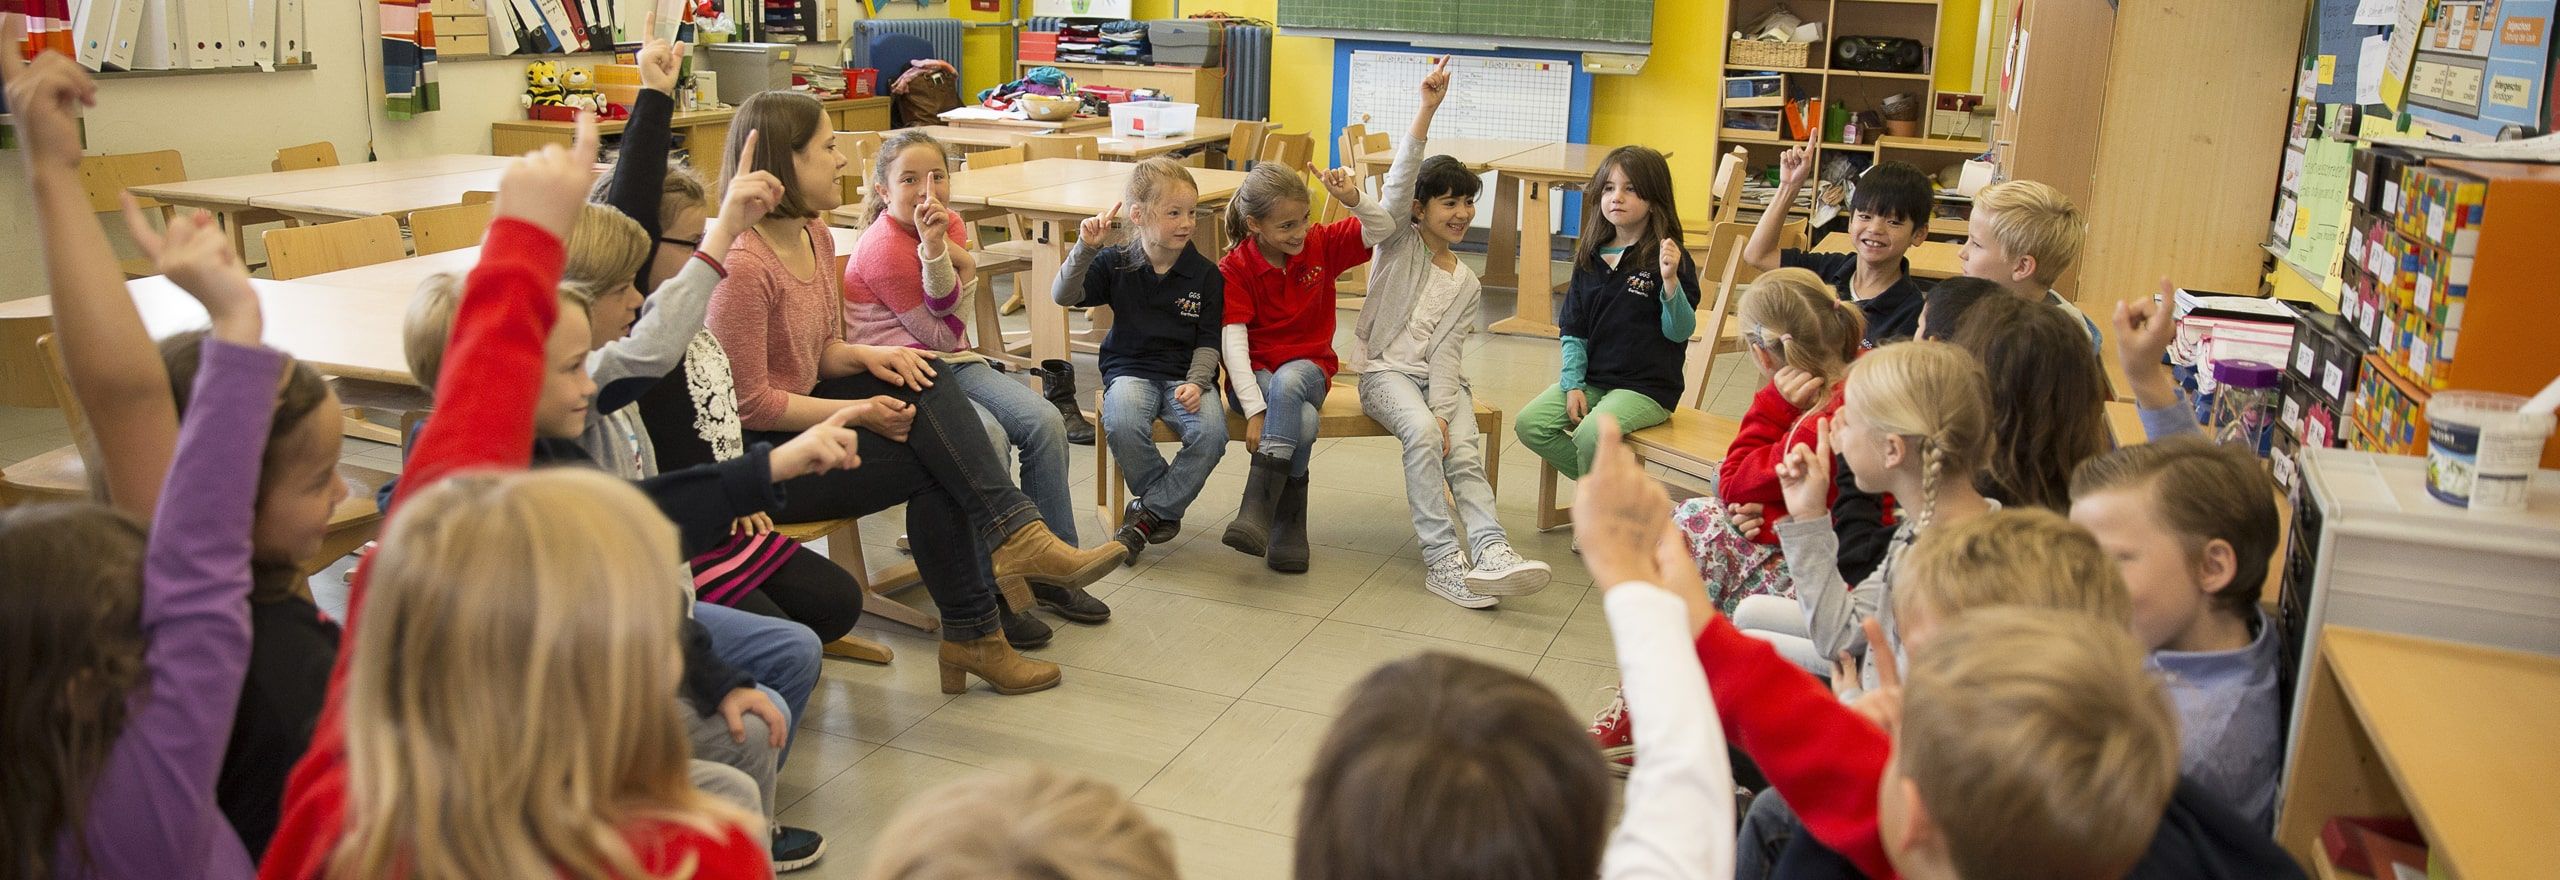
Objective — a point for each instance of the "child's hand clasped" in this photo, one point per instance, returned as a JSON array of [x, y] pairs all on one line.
[[1576, 406], [1671, 254], [1188, 395], [1801, 389]]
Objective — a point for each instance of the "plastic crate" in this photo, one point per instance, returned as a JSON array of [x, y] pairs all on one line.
[[861, 82], [1153, 118]]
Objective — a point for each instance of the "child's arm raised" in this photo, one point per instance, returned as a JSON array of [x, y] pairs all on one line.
[[1679, 292], [625, 368], [1076, 286], [2143, 333], [1381, 220], [1832, 608], [640, 168], [113, 368], [1795, 167]]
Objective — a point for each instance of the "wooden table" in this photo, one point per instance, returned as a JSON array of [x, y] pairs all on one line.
[[971, 188], [228, 198], [705, 132], [1933, 260], [1534, 173], [1207, 131], [391, 198], [2454, 735], [1205, 86], [1050, 213]]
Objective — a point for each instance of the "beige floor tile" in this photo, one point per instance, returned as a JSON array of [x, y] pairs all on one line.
[[1394, 599], [1184, 641], [875, 703], [1585, 637], [1244, 770], [1203, 566], [1210, 850], [1118, 728], [1321, 672], [1581, 685], [817, 757], [852, 808]]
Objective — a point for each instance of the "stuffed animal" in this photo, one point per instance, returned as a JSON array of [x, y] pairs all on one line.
[[542, 84], [579, 90]]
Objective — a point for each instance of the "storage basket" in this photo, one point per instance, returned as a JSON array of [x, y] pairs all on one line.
[[1768, 53], [1152, 119]]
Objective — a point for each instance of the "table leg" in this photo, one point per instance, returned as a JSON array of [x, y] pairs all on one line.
[[1048, 319], [1535, 314], [1502, 243]]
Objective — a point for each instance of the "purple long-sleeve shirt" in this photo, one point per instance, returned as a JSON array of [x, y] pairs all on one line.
[[151, 809]]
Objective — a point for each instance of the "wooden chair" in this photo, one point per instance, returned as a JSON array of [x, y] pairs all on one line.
[[1059, 146], [986, 314], [104, 178], [844, 546], [320, 155], [478, 196], [1731, 171], [1341, 416], [329, 247], [1291, 150], [1244, 144], [1015, 245], [859, 148], [436, 230]]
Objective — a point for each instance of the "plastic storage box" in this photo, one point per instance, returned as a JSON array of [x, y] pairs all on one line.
[[1187, 43], [1153, 119], [747, 68]]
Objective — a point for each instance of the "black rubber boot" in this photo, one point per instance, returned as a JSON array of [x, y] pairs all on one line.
[[1058, 384], [1250, 532], [1288, 551]]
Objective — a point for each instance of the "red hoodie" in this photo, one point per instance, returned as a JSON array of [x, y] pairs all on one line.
[[1288, 311], [486, 394], [1825, 759]]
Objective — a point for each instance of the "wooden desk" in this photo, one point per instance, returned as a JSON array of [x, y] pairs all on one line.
[[705, 132], [402, 276], [230, 198], [1051, 213], [392, 198], [971, 188], [1205, 86], [1534, 173], [341, 332], [1207, 131], [1933, 260], [2458, 736]]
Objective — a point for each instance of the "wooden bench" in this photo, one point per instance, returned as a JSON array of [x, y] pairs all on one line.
[[1340, 417]]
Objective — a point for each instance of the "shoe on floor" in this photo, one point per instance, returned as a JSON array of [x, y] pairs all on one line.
[[1447, 579], [1024, 631], [1500, 571], [1163, 530], [1615, 734], [1072, 603], [796, 848], [1135, 524], [1035, 554]]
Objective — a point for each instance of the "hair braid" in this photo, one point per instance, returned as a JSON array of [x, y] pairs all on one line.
[[1933, 462]]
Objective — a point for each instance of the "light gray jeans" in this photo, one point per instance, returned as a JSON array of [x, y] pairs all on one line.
[[1432, 480], [755, 760], [1779, 621]]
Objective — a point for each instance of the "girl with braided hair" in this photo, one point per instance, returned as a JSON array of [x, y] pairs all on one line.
[[1916, 424]]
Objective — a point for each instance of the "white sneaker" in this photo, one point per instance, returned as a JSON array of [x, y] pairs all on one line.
[[1448, 579], [1500, 571]]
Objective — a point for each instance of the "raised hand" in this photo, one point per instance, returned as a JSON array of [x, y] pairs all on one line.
[[1671, 255], [547, 187], [1435, 85], [660, 61], [1795, 166], [1620, 514], [197, 255], [825, 446], [751, 193], [1801, 388], [1095, 231], [933, 227], [2143, 331], [1804, 475], [45, 97], [1344, 185]]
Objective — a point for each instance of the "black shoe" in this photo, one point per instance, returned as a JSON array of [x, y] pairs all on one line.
[[1288, 552], [1250, 532], [1163, 530], [1072, 603], [1026, 631], [1058, 385], [796, 848], [1135, 524]]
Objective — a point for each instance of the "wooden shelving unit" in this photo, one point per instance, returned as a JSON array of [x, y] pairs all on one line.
[[1858, 90]]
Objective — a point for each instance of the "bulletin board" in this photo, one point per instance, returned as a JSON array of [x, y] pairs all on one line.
[[1489, 96], [2481, 65]]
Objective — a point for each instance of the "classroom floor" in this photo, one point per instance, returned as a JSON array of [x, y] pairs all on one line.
[[1208, 693]]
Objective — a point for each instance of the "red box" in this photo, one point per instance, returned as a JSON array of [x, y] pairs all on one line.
[[1108, 94], [861, 82], [552, 113], [1037, 46]]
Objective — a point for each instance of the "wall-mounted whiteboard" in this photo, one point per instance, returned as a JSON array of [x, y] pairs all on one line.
[[1521, 98], [1081, 8]]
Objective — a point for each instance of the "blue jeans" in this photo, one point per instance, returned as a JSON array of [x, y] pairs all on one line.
[[1130, 407], [1294, 394], [1431, 479], [781, 655], [1031, 424]]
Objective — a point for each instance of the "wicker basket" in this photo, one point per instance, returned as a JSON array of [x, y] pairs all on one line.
[[1769, 53]]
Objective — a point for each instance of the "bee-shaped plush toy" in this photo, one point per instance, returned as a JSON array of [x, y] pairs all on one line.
[[542, 84], [578, 90]]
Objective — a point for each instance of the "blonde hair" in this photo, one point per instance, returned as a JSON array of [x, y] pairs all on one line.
[[1035, 823], [519, 726], [606, 250], [1155, 178], [1268, 186], [428, 327], [1935, 394], [2032, 219], [875, 198], [1805, 324], [2029, 557], [2039, 743]]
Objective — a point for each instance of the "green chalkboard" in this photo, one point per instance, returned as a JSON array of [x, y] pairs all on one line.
[[1615, 21]]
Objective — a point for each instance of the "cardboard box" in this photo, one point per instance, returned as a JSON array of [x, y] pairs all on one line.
[[461, 26], [458, 45], [617, 75], [460, 7]]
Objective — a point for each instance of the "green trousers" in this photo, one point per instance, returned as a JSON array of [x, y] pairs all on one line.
[[1542, 426]]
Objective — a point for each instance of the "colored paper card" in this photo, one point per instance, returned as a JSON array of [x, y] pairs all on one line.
[[2370, 56]]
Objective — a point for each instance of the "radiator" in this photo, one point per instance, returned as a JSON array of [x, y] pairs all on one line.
[[1248, 72], [943, 33]]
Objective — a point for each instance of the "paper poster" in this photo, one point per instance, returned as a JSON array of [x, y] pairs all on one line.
[[2377, 12], [2320, 209], [2334, 59], [2403, 50], [2481, 65], [2370, 57]]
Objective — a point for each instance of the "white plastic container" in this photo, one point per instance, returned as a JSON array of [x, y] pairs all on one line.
[[2481, 449], [1153, 119]]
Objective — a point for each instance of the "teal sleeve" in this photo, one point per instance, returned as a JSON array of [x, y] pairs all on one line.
[[1577, 359], [1679, 317]]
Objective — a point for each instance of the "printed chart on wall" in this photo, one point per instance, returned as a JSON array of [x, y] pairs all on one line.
[[1526, 99], [2481, 65]]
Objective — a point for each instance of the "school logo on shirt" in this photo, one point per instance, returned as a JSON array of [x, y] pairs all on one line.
[[1309, 275], [1643, 284], [1189, 305]]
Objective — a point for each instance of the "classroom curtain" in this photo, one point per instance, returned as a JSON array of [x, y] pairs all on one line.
[[408, 59]]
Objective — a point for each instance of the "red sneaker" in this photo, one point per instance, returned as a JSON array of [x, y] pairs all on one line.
[[1615, 733]]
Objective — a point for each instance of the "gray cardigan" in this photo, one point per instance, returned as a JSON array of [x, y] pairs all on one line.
[[1398, 270]]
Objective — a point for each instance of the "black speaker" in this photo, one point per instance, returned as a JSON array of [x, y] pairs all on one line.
[[1878, 54]]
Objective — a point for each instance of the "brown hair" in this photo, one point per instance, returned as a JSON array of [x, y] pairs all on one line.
[[1155, 178], [71, 639], [1649, 174], [681, 188], [786, 121], [875, 198], [606, 250], [2032, 219], [1805, 324], [1036, 823], [1268, 186], [1445, 767], [304, 395], [2205, 492], [2039, 744], [2025, 556], [2049, 398], [428, 327], [1933, 393]]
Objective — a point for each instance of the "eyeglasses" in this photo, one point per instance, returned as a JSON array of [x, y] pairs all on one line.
[[693, 244]]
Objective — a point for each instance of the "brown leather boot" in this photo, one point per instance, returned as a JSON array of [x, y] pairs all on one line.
[[1033, 554], [995, 662]]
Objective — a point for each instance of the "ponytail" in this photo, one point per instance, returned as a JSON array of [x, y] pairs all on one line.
[[1269, 186]]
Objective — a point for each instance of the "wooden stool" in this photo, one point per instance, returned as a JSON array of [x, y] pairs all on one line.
[[844, 546]]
